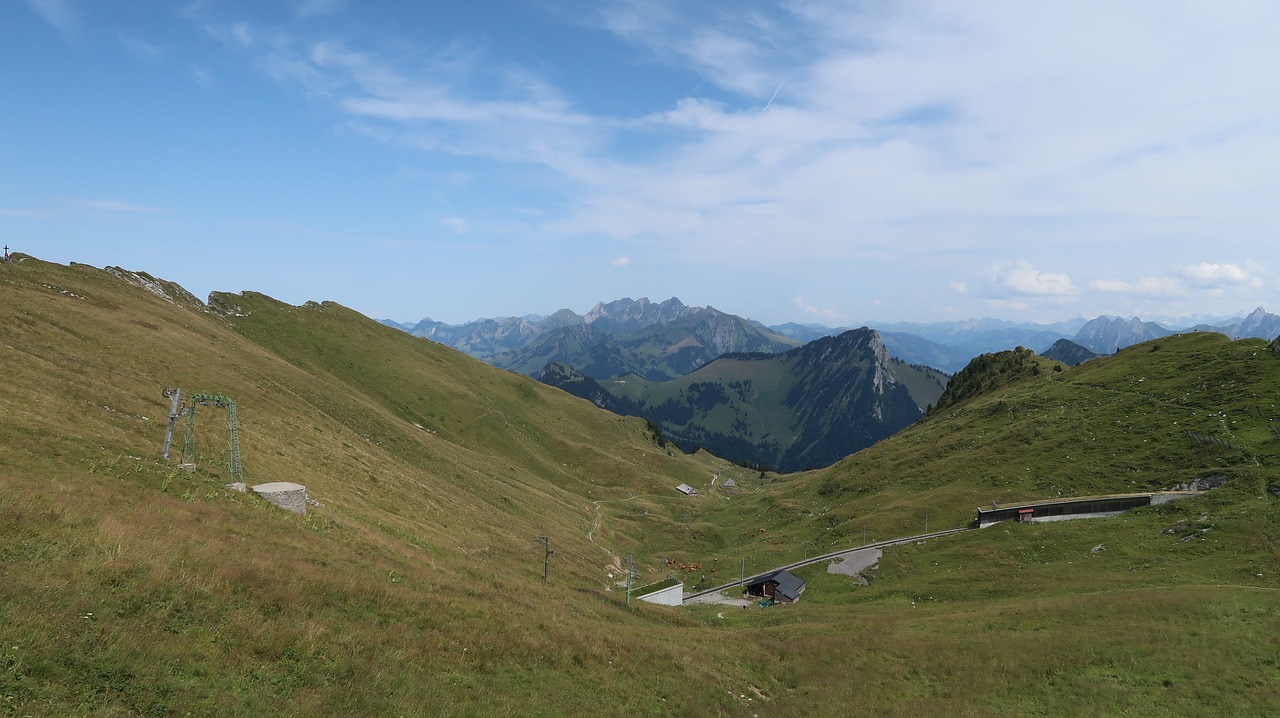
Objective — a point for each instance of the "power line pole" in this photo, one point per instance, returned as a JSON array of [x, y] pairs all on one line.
[[864, 534], [926, 522], [546, 559], [175, 396], [742, 577], [628, 579]]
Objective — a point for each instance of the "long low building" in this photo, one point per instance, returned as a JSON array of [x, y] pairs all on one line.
[[1089, 507]]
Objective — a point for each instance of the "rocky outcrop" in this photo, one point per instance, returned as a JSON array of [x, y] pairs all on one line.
[[628, 315]]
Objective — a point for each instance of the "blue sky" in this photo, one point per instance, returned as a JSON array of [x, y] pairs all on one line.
[[816, 160]]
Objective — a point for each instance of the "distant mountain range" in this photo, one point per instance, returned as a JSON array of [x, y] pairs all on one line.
[[1258, 324], [950, 345], [802, 409], [656, 341], [669, 339]]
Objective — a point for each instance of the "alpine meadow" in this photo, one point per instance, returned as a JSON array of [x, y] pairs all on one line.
[[446, 489]]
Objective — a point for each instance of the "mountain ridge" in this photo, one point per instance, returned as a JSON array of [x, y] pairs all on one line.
[[805, 408], [520, 344]]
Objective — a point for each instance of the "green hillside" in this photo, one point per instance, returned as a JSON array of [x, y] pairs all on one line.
[[129, 587], [416, 588], [806, 408]]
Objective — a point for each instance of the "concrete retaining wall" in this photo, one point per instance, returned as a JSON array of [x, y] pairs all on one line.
[[290, 497], [669, 596]]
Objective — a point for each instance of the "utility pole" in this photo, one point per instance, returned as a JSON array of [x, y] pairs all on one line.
[[864, 534], [546, 559], [926, 522], [628, 579], [742, 577], [175, 396]]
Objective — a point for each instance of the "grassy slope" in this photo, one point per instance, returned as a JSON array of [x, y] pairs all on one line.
[[764, 408], [416, 590], [1028, 619], [1102, 427], [760, 414]]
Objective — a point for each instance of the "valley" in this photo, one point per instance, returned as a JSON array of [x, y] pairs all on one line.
[[417, 587]]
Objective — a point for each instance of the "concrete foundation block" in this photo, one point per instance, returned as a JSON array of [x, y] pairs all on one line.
[[288, 496]]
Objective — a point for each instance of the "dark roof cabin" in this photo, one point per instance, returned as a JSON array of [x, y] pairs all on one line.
[[781, 586]]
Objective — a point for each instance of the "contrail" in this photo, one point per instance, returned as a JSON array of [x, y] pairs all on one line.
[[775, 96]]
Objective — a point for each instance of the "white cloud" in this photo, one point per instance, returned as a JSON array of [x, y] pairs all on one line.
[[926, 132], [242, 34], [457, 224], [239, 36], [1212, 276], [733, 50], [61, 14], [1022, 279], [1152, 287], [799, 302], [203, 76], [915, 111], [621, 262], [140, 49], [419, 103]]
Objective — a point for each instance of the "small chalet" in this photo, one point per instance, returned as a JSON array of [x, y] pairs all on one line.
[[687, 490], [782, 586]]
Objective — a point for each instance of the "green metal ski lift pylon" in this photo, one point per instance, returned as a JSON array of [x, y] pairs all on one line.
[[234, 469]]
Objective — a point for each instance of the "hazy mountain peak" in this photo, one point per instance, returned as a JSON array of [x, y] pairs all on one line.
[[629, 315], [1259, 324], [560, 318], [1105, 335]]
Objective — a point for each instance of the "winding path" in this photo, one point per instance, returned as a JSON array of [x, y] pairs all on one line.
[[595, 524]]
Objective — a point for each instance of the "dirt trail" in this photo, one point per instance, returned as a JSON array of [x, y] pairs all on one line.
[[599, 517]]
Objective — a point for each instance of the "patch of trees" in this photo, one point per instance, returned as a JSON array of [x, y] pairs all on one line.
[[988, 372], [747, 356], [751, 454], [741, 388], [667, 413], [704, 395]]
